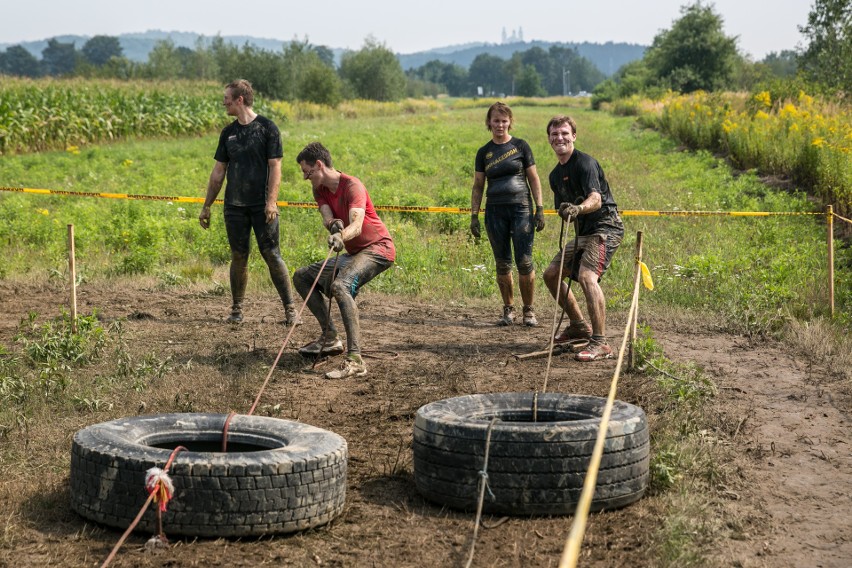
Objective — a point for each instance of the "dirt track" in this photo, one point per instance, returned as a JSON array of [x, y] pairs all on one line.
[[785, 423]]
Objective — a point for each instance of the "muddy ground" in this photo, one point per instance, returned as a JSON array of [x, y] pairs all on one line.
[[781, 424]]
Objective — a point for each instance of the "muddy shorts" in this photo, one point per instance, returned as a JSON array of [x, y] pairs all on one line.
[[239, 223], [510, 227], [353, 270], [595, 253]]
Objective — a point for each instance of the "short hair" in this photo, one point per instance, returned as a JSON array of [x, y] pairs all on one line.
[[502, 108], [241, 88], [559, 120], [313, 152]]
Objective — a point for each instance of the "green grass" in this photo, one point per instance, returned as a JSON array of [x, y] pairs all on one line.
[[757, 272]]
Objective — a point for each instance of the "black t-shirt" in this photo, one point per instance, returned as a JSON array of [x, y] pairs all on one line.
[[247, 149], [578, 178], [504, 166]]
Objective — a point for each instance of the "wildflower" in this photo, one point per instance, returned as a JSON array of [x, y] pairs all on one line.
[[72, 150], [763, 98], [761, 115], [789, 110], [127, 163], [43, 212], [819, 142]]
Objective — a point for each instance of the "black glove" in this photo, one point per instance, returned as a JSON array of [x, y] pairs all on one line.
[[474, 226], [335, 242], [539, 218], [569, 211], [335, 226]]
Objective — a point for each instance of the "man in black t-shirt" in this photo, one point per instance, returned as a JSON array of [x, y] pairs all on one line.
[[581, 192], [250, 153]]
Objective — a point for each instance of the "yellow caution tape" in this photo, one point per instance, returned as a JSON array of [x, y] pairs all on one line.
[[400, 208]]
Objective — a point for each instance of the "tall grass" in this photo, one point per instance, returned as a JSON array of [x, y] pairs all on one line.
[[803, 138]]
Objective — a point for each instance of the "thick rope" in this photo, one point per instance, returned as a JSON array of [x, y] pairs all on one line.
[[559, 311], [135, 522], [290, 333], [571, 552], [483, 485]]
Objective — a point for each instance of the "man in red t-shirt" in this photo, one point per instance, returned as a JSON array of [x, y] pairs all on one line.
[[348, 214]]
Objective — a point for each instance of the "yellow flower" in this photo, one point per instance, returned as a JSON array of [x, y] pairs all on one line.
[[789, 110], [127, 163], [761, 115], [804, 99], [819, 142], [763, 98], [72, 150]]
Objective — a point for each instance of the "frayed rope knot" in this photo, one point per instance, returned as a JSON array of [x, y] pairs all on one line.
[[160, 484], [484, 475]]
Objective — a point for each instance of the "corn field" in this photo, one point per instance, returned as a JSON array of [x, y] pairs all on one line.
[[50, 114]]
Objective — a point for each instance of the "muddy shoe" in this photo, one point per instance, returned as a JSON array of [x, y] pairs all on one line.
[[508, 316], [292, 317], [236, 316], [529, 317], [594, 351], [353, 366], [324, 346], [575, 331]]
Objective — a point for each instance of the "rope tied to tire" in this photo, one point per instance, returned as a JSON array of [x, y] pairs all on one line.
[[483, 485], [159, 484], [157, 480]]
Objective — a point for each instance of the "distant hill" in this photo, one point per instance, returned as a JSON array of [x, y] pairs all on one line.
[[607, 57]]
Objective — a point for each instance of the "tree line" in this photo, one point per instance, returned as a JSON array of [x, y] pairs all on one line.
[[694, 54], [301, 71]]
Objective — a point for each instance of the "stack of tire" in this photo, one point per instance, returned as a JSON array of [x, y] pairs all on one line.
[[534, 467], [294, 481]]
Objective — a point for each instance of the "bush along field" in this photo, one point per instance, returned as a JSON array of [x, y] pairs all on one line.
[[791, 135]]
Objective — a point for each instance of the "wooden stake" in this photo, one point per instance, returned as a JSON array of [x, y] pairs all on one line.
[[829, 211], [72, 270], [631, 357]]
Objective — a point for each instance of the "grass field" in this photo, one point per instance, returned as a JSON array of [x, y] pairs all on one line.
[[758, 271], [757, 276]]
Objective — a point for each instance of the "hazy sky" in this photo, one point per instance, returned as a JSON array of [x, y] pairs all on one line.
[[403, 26]]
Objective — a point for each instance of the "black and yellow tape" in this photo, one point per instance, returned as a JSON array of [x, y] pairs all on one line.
[[401, 208]]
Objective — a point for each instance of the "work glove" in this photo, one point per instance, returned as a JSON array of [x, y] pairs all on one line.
[[474, 226], [539, 218], [569, 211], [335, 226], [335, 242]]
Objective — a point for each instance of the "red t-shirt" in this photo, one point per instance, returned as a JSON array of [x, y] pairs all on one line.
[[350, 194]]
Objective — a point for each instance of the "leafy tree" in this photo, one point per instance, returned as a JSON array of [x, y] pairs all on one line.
[[529, 83], [694, 54], [783, 64], [16, 60], [450, 76], [374, 72], [99, 49], [227, 58], [325, 54], [58, 58], [486, 71], [164, 62], [828, 57], [320, 84]]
